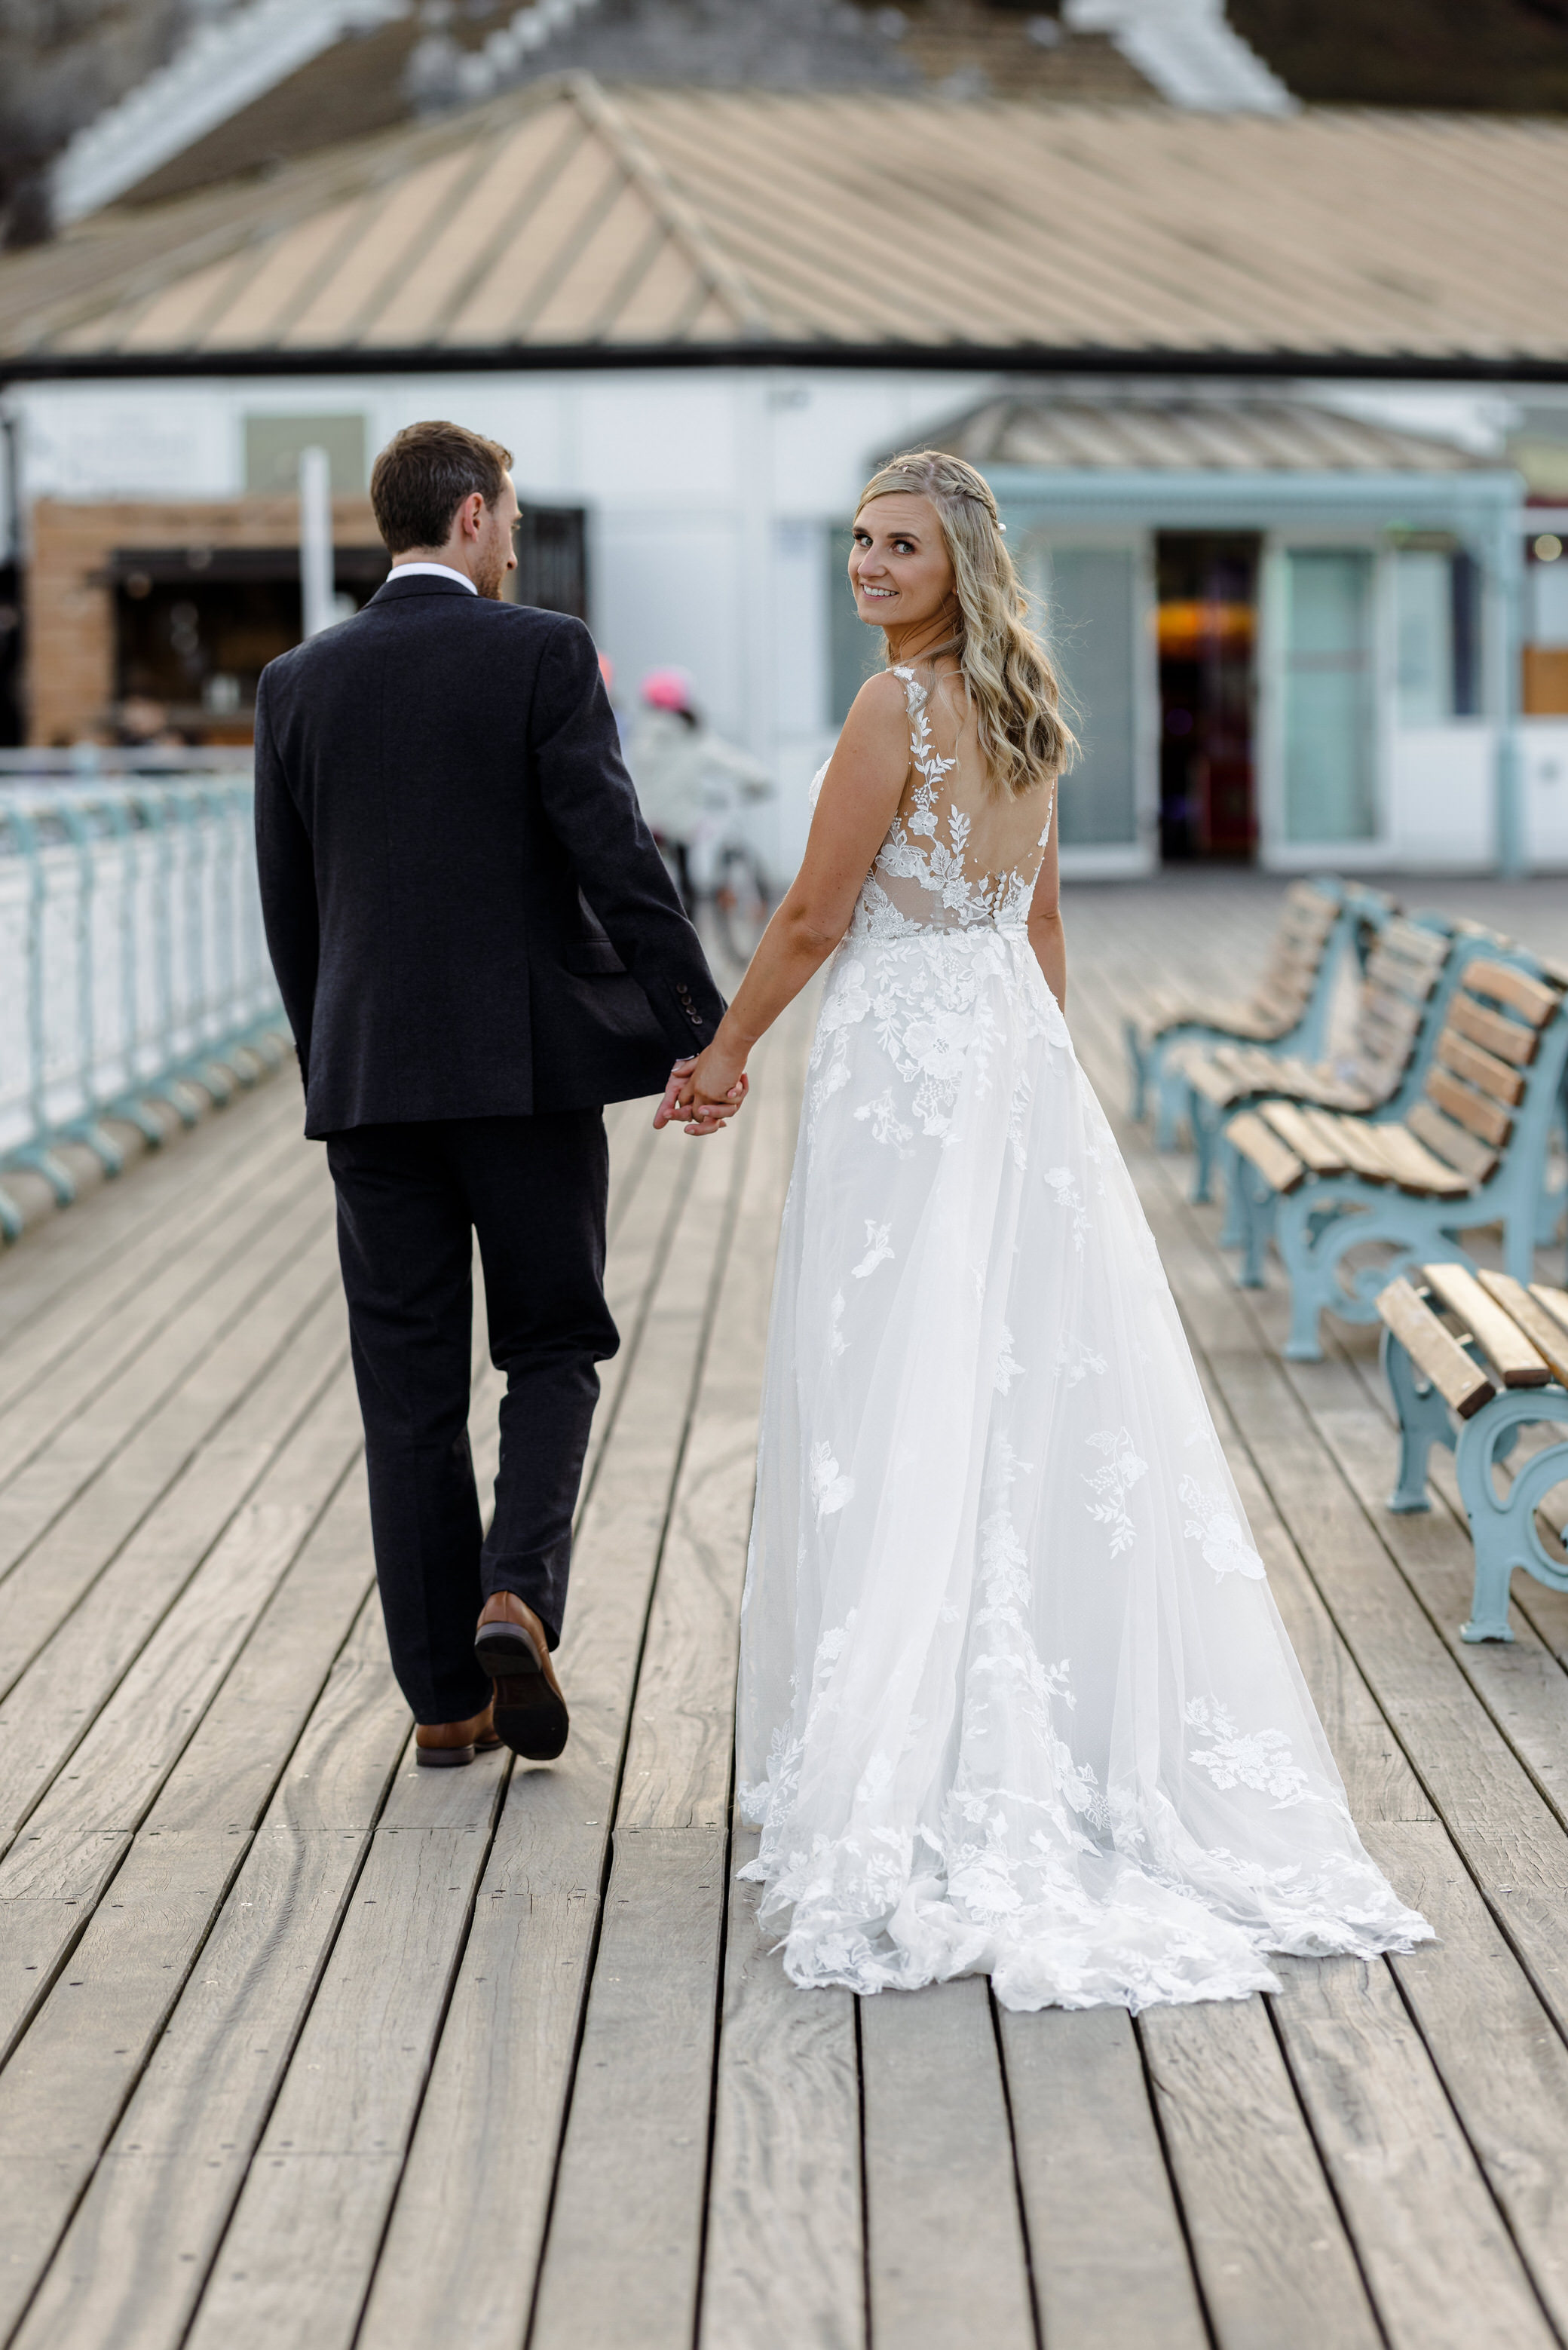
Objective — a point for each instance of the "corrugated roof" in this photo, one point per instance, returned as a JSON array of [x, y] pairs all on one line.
[[1192, 435], [564, 219]]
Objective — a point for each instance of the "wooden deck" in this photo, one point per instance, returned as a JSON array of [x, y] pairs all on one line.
[[306, 2047]]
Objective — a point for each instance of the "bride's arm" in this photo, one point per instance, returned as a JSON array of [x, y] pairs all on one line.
[[1046, 935], [859, 798]]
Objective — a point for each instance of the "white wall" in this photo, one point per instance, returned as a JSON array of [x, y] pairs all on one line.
[[1544, 759], [1442, 786]]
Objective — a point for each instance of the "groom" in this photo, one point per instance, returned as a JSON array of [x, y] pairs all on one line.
[[478, 946]]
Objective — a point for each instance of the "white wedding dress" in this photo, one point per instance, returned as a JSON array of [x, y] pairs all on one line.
[[1015, 1696]]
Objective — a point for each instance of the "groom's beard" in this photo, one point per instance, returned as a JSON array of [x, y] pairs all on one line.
[[488, 578]]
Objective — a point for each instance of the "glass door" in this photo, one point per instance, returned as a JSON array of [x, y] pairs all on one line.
[[1325, 686], [1095, 597]]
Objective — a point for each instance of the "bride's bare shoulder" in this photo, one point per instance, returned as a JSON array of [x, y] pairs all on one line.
[[878, 715]]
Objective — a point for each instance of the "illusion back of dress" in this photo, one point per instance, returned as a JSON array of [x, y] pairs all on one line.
[[960, 853]]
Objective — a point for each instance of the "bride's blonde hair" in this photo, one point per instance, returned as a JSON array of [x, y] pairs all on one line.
[[1007, 673]]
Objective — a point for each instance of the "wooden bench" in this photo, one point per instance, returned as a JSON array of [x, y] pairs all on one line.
[[1471, 1149], [1410, 974], [1288, 1011], [1471, 1359]]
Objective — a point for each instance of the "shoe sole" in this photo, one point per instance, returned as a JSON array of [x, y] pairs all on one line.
[[443, 1758], [529, 1716]]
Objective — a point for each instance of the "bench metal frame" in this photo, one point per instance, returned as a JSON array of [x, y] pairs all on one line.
[[1316, 1226], [1504, 1531], [1207, 1120], [1152, 1069]]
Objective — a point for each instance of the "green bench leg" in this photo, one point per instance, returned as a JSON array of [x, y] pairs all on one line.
[[1504, 1531], [1205, 1122], [1424, 1420], [1137, 1062]]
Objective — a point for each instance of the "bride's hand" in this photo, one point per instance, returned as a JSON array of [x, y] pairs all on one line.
[[705, 1117], [706, 1092]]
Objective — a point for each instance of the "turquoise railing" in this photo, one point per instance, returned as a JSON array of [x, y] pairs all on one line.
[[133, 969]]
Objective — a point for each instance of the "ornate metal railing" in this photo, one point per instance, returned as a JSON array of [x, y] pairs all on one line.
[[133, 969]]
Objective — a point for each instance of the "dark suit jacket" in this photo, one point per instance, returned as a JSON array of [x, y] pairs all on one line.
[[467, 915]]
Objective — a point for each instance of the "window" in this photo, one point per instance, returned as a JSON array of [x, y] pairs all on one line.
[[273, 444], [552, 572], [1328, 696], [854, 651], [1437, 635], [1089, 596]]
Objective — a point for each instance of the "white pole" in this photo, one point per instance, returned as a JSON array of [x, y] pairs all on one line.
[[315, 540]]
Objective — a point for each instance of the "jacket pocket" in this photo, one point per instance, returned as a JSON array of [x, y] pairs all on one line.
[[592, 959]]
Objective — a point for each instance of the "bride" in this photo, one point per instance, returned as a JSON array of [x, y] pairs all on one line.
[[1015, 1696]]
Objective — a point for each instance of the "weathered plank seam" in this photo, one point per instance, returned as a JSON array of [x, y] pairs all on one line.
[[700, 1358]]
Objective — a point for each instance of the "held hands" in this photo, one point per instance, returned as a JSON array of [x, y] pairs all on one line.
[[705, 1092]]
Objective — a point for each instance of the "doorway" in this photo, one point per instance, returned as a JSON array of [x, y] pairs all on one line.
[[1208, 625]]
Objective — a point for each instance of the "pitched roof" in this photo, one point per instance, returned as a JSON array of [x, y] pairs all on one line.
[[567, 221], [1184, 435]]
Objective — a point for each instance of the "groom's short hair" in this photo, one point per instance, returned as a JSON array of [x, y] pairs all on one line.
[[422, 477]]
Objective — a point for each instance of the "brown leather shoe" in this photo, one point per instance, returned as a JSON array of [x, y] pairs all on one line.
[[447, 1745], [510, 1645]]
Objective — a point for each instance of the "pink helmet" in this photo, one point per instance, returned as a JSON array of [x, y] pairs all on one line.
[[667, 689]]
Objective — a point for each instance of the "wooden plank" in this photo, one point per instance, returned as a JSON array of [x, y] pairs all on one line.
[[1497, 1077], [1472, 1111], [946, 2257], [1429, 2236], [626, 2139], [1111, 2269], [64, 1660], [1354, 1140], [1501, 2063], [297, 2251], [1507, 1040], [1323, 1151], [1501, 1339], [1279, 1166], [639, 2110], [1530, 997], [175, 2171], [98, 1427], [1543, 1330], [1458, 1380], [510, 2039], [1412, 1166], [1277, 2271], [156, 1323], [74, 1837], [784, 2257], [132, 2260], [1424, 1678], [1451, 1143], [75, 1274]]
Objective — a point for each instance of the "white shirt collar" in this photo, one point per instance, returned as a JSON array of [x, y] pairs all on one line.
[[435, 571]]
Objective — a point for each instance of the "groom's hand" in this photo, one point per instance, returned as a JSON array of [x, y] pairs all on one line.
[[669, 1107], [702, 1113]]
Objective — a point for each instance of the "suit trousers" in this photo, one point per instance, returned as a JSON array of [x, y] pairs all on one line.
[[410, 1200]]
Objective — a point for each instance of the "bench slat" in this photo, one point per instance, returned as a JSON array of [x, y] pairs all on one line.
[[1413, 1167], [1451, 1142], [1355, 1141], [1483, 1068], [1509, 1039], [1530, 997], [1461, 1383], [1473, 1110], [1545, 1333], [1322, 1153], [1504, 1344], [1279, 1166]]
